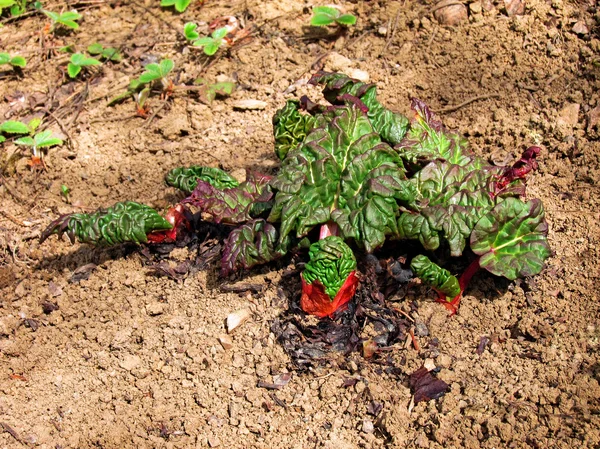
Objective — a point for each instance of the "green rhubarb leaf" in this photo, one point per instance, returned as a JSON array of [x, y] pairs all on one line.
[[120, 223], [186, 178], [451, 199], [436, 276], [255, 242], [511, 239], [342, 172], [235, 204], [4, 58], [14, 127], [331, 262], [290, 128], [392, 127], [428, 140]]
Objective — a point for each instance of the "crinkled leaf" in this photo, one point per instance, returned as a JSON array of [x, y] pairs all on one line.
[[4, 58], [186, 178], [511, 240], [391, 126], [253, 243], [290, 128], [331, 262], [342, 171], [123, 222], [427, 140], [451, 200], [151, 73], [436, 276], [235, 204], [14, 127]]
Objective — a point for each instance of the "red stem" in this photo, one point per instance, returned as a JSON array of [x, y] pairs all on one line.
[[463, 281], [327, 229]]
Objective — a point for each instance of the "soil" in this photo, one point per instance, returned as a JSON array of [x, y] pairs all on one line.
[[97, 350]]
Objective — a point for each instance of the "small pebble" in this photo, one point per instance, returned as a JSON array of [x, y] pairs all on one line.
[[250, 105]]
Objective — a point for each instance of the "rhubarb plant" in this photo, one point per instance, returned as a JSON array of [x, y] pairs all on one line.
[[353, 176]]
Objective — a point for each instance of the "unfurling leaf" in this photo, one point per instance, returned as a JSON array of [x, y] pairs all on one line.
[[235, 204], [329, 279], [428, 140], [290, 128], [511, 239], [186, 178], [253, 243], [391, 126], [123, 222], [341, 172], [436, 276], [331, 262]]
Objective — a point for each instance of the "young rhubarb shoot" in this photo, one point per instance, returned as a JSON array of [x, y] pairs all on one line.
[[329, 279], [209, 44], [122, 222]]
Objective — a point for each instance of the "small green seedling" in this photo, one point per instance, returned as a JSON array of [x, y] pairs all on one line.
[[17, 7], [16, 127], [160, 72], [328, 15], [65, 192], [109, 53], [78, 61], [40, 140], [139, 89], [209, 44], [208, 92], [15, 61], [180, 5], [68, 19]]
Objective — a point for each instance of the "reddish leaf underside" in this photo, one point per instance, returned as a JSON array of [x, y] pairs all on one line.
[[316, 302]]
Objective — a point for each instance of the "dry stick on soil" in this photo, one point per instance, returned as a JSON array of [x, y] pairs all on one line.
[[60, 125], [6, 428], [392, 34], [465, 103]]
